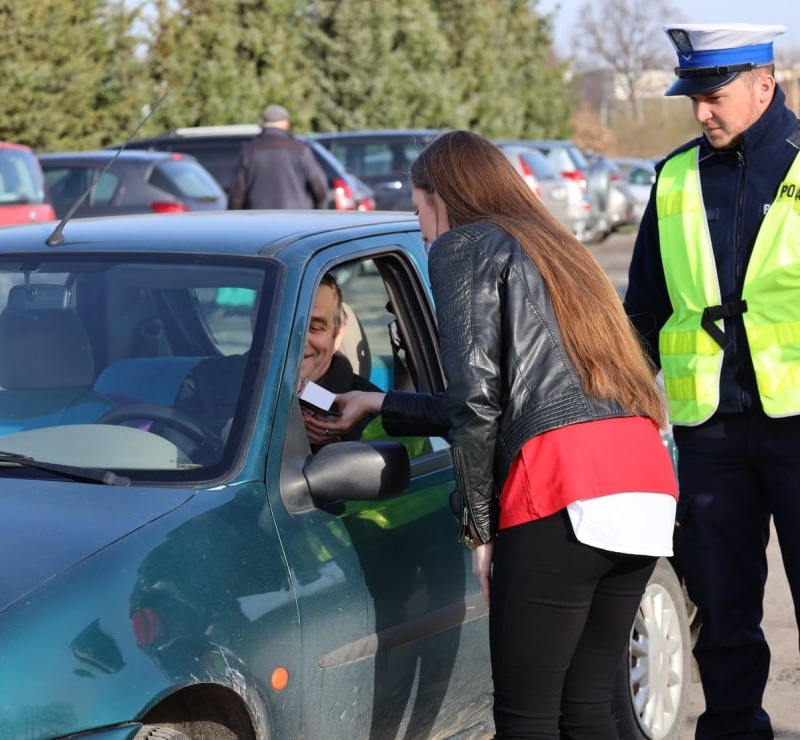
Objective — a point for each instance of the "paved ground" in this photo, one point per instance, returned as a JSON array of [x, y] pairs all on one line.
[[782, 698]]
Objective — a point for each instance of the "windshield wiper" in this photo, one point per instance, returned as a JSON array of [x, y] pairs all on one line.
[[94, 475]]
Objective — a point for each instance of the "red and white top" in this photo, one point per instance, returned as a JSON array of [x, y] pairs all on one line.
[[614, 476]]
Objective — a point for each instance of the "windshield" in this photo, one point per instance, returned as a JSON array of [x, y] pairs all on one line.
[[129, 363]]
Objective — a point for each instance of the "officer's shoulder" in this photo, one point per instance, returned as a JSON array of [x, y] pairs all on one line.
[[794, 137], [682, 148]]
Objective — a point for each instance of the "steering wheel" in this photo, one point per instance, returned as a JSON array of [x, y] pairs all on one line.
[[206, 441]]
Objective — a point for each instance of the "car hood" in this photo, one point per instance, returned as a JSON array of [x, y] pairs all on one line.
[[47, 527]]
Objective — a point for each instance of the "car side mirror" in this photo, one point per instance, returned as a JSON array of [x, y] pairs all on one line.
[[358, 471]]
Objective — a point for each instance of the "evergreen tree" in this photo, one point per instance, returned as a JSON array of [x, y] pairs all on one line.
[[69, 82], [383, 65], [224, 60], [508, 82]]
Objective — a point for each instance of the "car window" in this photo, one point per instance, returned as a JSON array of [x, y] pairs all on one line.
[[540, 165], [106, 188], [378, 160], [400, 350], [66, 184], [109, 362], [184, 179], [639, 176], [217, 155], [20, 181]]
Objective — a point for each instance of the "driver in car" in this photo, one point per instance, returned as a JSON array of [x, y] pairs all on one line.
[[210, 392]]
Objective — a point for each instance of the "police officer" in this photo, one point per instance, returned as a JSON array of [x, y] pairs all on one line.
[[714, 291]]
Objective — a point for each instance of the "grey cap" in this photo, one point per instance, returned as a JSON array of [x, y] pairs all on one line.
[[274, 113]]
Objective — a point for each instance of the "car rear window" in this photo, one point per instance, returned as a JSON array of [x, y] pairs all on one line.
[[185, 179], [540, 165], [20, 178]]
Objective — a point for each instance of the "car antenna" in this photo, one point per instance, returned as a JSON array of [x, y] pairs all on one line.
[[57, 237]]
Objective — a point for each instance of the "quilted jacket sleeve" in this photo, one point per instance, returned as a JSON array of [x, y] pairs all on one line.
[[467, 291]]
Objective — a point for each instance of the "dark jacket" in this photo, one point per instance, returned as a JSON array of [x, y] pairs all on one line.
[[738, 186], [210, 394], [275, 170], [508, 374]]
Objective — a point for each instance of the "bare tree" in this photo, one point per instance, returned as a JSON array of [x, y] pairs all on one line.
[[625, 37]]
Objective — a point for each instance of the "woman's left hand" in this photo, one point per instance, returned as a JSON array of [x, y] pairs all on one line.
[[482, 567]]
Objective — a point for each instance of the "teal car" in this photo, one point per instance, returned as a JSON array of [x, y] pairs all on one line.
[[162, 580]]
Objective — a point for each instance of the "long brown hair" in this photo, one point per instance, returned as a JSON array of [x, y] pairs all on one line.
[[477, 183]]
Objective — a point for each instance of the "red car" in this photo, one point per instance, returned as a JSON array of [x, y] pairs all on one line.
[[23, 197]]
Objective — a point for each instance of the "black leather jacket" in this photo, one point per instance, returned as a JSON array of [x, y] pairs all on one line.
[[508, 374]]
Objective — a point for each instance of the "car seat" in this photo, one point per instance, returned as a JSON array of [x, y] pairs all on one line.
[[46, 370], [352, 343], [152, 380]]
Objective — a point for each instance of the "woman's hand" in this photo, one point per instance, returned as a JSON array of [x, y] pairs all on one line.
[[353, 406], [482, 567]]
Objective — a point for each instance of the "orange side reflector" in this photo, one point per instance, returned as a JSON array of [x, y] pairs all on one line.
[[279, 679]]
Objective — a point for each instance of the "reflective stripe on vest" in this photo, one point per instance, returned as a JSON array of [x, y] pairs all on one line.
[[772, 291], [690, 358]]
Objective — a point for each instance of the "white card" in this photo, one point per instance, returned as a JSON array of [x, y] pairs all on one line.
[[317, 396]]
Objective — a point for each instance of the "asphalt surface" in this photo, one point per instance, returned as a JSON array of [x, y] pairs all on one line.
[[782, 696]]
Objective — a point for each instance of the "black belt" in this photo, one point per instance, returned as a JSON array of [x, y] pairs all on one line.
[[715, 313]]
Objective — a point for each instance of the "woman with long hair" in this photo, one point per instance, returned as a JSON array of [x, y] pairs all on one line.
[[567, 491]]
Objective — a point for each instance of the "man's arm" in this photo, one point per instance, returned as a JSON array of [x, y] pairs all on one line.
[[238, 187], [647, 301], [316, 181]]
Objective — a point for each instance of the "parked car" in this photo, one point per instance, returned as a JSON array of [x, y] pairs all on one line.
[[23, 196], [640, 175], [381, 158], [217, 149], [611, 193], [568, 203], [569, 160], [129, 182], [240, 586]]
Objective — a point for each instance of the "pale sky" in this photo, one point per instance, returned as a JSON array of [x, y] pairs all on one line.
[[768, 12]]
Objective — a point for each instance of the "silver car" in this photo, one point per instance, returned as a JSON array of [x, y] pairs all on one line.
[[569, 161], [640, 175], [566, 198]]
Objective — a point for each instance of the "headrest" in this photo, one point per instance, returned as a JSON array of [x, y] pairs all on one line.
[[713, 55], [44, 348], [352, 343]]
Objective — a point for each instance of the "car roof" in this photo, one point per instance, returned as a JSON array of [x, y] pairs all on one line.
[[382, 132], [231, 233], [226, 131], [104, 155], [14, 145]]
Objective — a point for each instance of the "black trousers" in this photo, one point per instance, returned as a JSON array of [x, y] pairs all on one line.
[[735, 472], [560, 617]]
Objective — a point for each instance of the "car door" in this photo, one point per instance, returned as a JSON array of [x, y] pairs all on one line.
[[395, 633]]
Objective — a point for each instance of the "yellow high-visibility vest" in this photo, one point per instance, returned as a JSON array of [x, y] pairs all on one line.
[[691, 358]]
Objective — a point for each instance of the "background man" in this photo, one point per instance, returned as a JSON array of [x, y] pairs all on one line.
[[714, 291], [275, 170]]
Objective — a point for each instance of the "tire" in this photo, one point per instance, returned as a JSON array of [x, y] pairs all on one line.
[[158, 732], [651, 692]]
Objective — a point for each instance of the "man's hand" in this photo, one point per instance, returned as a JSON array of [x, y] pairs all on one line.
[[318, 430]]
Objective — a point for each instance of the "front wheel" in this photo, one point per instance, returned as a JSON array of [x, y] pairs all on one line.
[[651, 693], [158, 732]]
